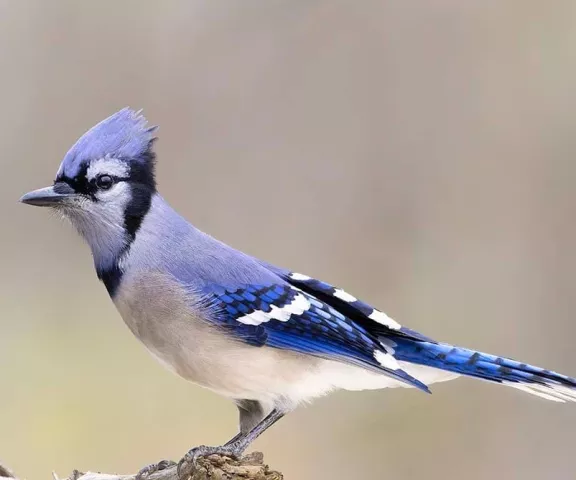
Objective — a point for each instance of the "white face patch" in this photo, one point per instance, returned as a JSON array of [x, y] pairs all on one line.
[[386, 360], [116, 197], [383, 319], [297, 307], [101, 223], [107, 166], [342, 295]]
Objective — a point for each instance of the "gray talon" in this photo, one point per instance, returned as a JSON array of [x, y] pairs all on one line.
[[153, 468], [190, 460]]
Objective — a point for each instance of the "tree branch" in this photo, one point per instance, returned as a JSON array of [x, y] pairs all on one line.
[[6, 473], [214, 467]]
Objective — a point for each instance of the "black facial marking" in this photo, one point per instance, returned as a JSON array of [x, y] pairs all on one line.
[[142, 170], [137, 208], [142, 186], [111, 278], [79, 183]]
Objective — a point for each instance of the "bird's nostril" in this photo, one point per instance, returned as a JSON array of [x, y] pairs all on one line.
[[63, 188]]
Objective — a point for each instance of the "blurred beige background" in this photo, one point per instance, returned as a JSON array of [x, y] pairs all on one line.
[[419, 154]]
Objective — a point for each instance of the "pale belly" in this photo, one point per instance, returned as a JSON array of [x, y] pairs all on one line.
[[161, 315]]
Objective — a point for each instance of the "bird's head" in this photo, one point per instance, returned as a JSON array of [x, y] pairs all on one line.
[[105, 183]]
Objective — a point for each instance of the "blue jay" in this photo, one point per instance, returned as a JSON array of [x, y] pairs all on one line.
[[268, 338]]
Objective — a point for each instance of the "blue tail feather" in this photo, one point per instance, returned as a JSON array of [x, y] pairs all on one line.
[[535, 380]]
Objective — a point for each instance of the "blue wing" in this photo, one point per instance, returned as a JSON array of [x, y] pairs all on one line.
[[282, 316], [413, 347], [373, 320]]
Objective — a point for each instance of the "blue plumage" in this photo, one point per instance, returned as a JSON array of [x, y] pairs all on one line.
[[486, 367], [124, 135], [262, 315], [361, 312], [267, 337], [413, 347]]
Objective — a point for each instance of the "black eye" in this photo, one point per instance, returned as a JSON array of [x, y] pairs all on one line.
[[104, 182]]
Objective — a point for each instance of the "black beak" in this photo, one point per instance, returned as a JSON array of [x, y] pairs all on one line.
[[49, 196]]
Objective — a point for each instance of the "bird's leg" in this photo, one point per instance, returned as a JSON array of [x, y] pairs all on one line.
[[235, 438], [153, 468], [250, 414], [233, 448]]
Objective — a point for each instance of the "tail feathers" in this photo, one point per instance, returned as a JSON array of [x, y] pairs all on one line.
[[537, 381]]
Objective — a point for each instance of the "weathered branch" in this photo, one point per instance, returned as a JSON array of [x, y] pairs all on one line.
[[6, 473], [214, 467]]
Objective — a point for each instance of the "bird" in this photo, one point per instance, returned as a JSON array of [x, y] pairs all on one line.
[[268, 338]]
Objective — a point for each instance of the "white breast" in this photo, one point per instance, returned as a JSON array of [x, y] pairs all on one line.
[[170, 323], [164, 318]]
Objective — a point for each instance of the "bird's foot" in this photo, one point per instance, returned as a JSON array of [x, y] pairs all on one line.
[[148, 470], [189, 461]]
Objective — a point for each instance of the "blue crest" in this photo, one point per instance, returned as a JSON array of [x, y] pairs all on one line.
[[124, 135]]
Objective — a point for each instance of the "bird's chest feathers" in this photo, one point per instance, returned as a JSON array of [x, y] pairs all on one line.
[[163, 317], [161, 314]]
